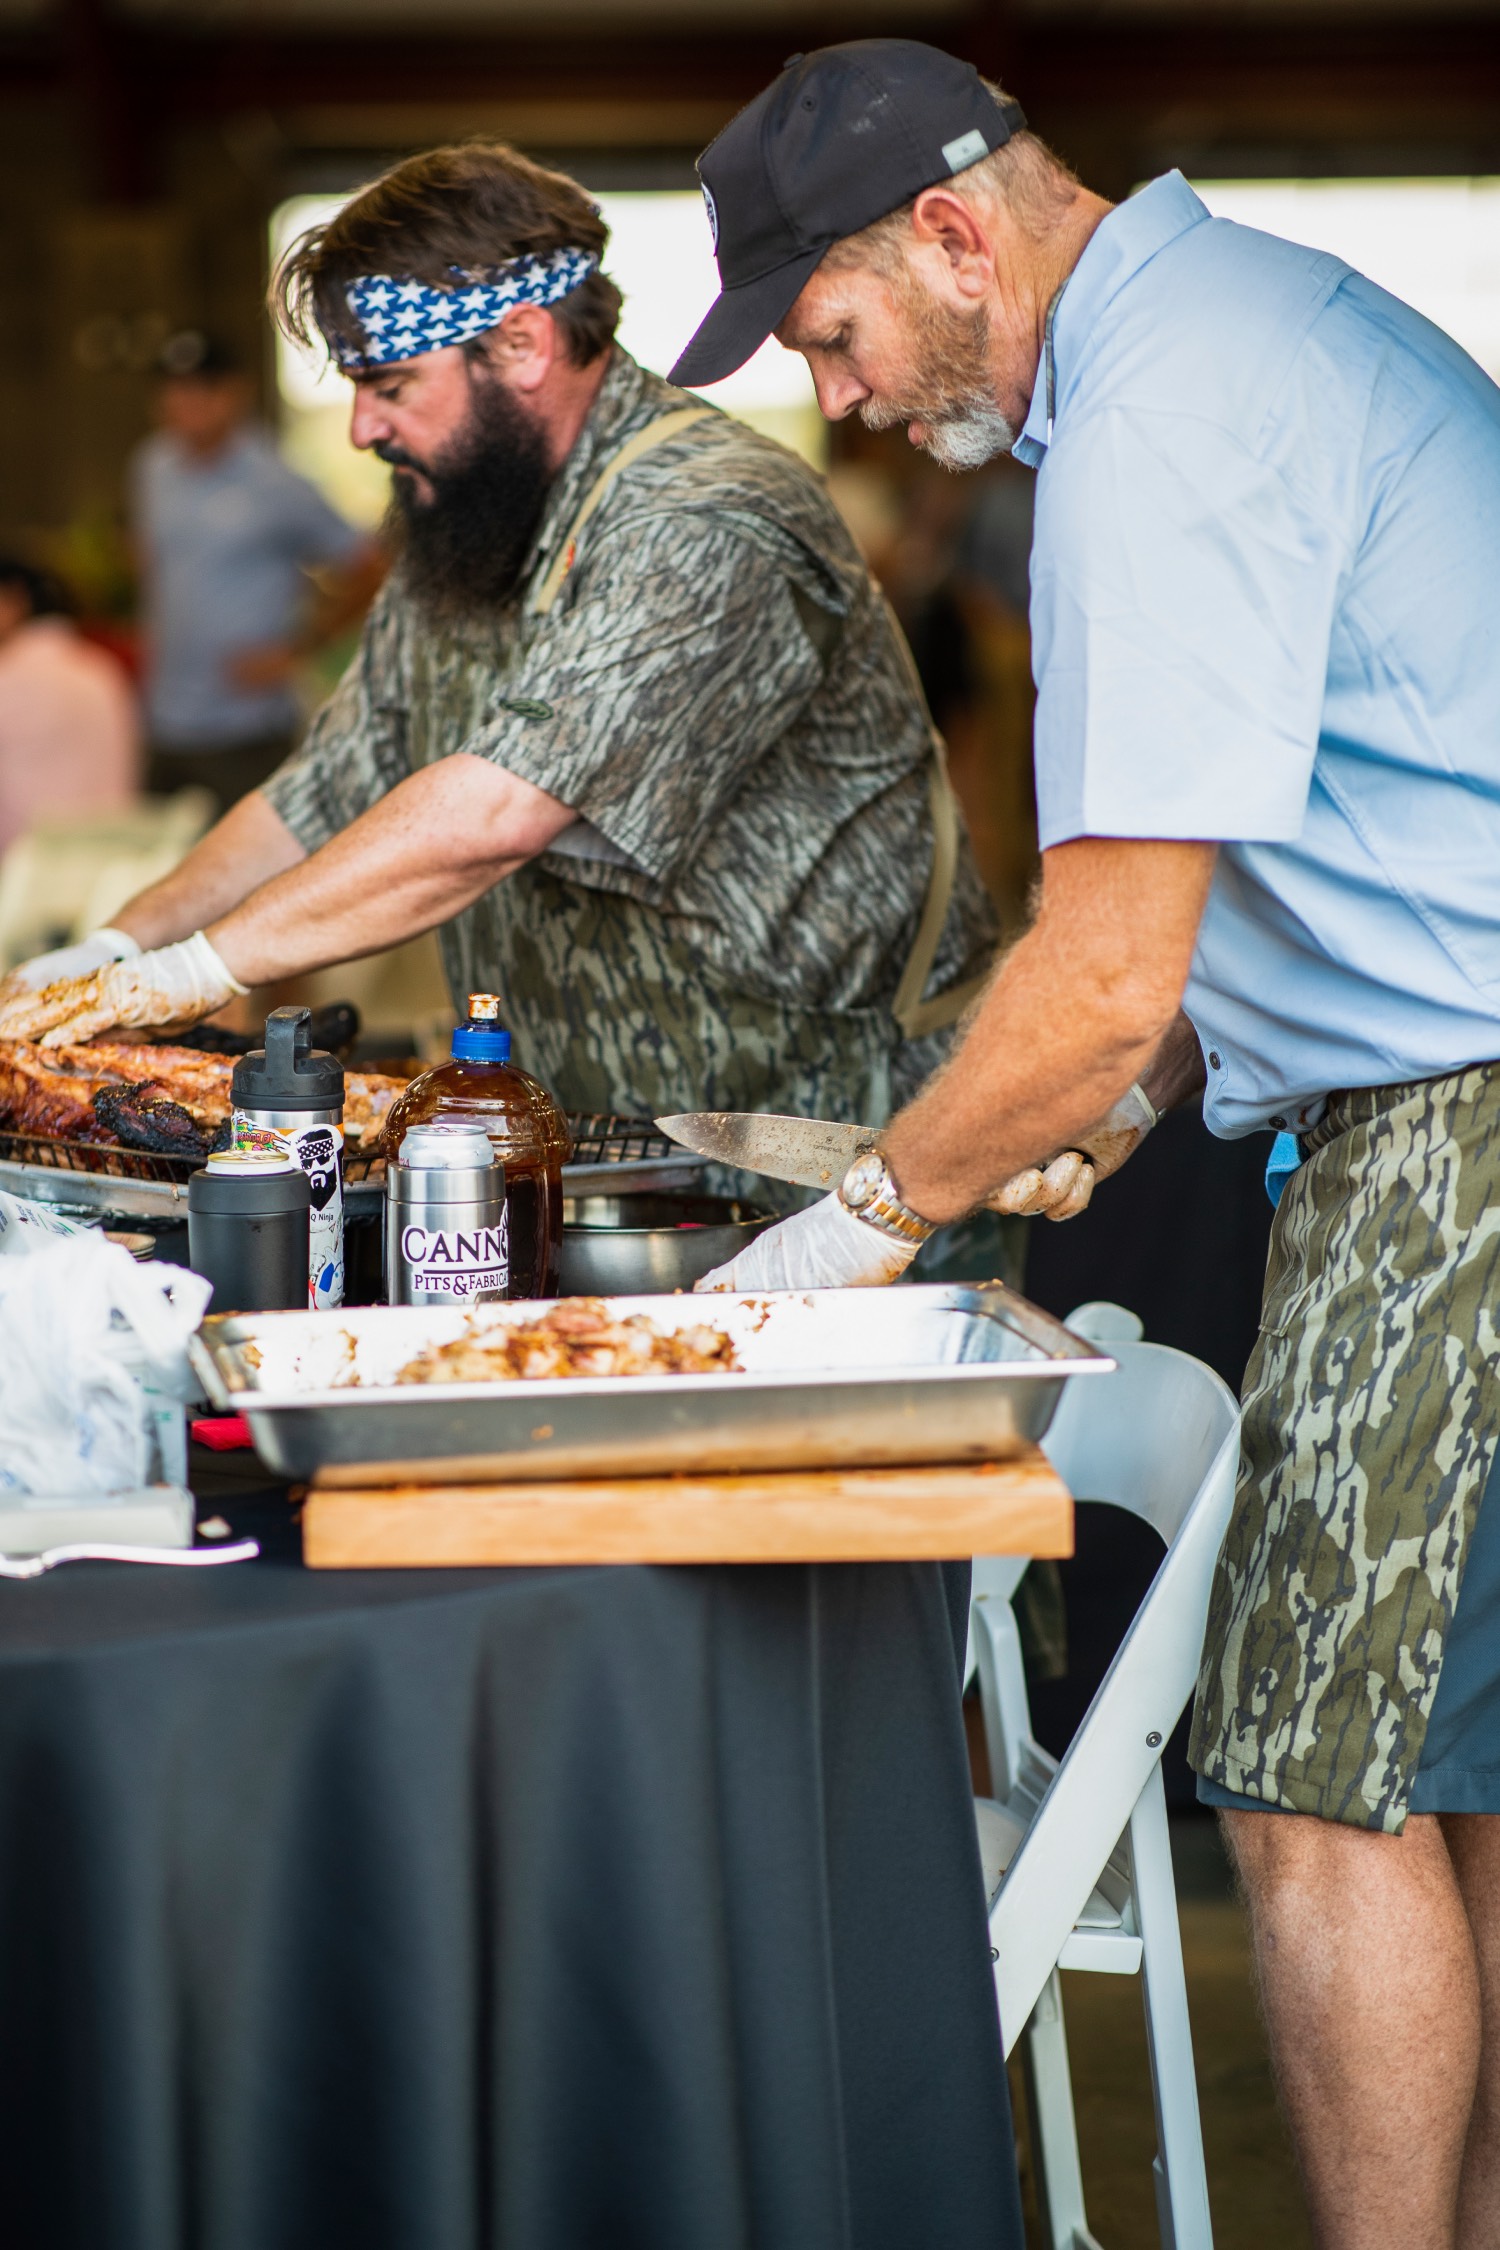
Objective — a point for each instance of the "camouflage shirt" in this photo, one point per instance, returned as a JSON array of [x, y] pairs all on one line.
[[719, 693]]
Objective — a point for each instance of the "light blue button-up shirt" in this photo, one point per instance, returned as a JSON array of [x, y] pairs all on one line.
[[1266, 612]]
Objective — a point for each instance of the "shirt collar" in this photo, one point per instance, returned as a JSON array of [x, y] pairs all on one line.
[[1114, 254]]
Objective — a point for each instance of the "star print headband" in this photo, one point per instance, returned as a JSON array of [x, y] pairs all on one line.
[[402, 319]]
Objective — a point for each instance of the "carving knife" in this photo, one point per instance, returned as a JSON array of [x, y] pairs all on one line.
[[809, 1151]]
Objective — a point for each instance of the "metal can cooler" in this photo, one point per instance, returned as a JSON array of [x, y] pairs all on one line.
[[447, 1235]]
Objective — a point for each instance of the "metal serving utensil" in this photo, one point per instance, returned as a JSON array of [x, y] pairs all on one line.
[[809, 1151], [189, 1558]]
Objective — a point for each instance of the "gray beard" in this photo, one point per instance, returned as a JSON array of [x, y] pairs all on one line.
[[965, 436], [976, 434]]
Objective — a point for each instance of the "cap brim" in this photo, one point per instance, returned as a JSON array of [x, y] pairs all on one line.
[[739, 321]]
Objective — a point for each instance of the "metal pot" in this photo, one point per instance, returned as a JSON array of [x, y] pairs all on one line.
[[630, 1245]]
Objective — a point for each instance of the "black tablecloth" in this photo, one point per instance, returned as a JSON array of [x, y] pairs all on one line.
[[527, 1910]]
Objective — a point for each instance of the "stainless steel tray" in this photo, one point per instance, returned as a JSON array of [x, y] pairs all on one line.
[[832, 1378]]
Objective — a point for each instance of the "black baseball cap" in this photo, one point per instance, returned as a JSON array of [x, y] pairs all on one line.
[[844, 136]]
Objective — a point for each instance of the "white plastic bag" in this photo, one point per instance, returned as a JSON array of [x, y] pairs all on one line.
[[25, 1227], [76, 1315]]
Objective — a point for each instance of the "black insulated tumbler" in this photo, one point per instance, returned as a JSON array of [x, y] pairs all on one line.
[[248, 1218]]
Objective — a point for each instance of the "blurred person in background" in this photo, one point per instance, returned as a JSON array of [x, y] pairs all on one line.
[[69, 732], [227, 535]]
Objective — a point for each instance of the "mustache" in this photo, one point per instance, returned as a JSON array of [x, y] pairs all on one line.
[[396, 457]]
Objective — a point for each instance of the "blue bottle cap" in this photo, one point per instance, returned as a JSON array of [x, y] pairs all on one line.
[[483, 1038]]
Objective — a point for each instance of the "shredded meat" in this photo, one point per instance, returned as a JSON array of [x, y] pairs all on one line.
[[50, 1092], [580, 1337]]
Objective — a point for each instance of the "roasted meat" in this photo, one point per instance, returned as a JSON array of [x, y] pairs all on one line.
[[146, 1117], [580, 1337], [49, 1092]]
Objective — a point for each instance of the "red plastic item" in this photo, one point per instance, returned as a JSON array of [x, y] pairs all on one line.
[[222, 1433]]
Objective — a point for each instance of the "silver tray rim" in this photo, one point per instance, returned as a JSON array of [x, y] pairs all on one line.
[[1070, 1355]]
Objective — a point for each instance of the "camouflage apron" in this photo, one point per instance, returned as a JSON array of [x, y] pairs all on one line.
[[1372, 1409], [612, 1003]]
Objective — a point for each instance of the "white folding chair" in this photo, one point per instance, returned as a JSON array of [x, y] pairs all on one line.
[[1076, 1854]]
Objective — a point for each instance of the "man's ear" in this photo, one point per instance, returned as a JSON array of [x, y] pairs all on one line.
[[949, 226], [524, 348]]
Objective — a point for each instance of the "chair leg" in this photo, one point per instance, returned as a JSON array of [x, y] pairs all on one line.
[[1054, 2135], [1181, 2180]]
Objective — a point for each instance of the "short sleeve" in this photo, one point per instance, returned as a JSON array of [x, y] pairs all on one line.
[[355, 748], [1182, 611], [681, 657]]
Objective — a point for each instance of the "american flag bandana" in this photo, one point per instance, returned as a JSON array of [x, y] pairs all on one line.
[[402, 319]]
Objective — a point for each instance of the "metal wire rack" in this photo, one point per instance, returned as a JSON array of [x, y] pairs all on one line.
[[599, 1137], [125, 1163]]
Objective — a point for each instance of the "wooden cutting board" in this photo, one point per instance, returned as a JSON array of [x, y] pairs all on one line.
[[1015, 1507]]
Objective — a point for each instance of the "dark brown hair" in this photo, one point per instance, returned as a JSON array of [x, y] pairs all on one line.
[[476, 204]]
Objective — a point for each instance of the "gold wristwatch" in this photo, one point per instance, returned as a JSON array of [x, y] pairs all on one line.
[[870, 1193]]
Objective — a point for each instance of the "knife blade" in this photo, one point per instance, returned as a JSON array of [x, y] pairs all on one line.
[[809, 1151]]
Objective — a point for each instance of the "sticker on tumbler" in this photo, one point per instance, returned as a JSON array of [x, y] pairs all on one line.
[[318, 1150], [457, 1263]]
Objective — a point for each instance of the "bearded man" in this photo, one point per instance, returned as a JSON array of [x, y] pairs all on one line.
[[1268, 780], [630, 721]]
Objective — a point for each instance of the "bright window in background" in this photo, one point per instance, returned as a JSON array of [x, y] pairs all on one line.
[[1435, 243], [662, 258]]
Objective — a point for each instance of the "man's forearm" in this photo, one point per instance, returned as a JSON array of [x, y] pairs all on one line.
[[433, 845], [249, 846], [1085, 1003]]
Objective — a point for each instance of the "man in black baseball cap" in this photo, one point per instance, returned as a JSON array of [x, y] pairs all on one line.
[[843, 137], [842, 203], [1265, 543]]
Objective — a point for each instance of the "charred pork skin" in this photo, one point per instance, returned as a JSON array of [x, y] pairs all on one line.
[[146, 1117]]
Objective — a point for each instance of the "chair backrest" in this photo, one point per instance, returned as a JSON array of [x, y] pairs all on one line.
[[1161, 1438]]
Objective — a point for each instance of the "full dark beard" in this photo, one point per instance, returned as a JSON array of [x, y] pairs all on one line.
[[462, 549]]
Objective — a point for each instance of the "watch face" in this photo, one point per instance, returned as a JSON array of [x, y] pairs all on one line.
[[862, 1180]]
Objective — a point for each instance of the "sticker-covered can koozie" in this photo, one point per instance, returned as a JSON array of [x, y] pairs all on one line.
[[319, 1150]]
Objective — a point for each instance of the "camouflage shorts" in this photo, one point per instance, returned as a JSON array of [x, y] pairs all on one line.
[[1372, 1409]]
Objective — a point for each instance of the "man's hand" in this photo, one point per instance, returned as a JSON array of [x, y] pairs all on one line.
[[1063, 1188], [162, 991], [826, 1247], [93, 952]]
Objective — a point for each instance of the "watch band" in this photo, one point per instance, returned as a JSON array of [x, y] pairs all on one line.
[[868, 1192]]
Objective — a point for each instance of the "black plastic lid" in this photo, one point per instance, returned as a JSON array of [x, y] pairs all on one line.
[[250, 1195], [287, 1072]]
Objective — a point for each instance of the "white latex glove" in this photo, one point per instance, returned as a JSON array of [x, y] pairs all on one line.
[[93, 952], [162, 991], [1063, 1188], [825, 1247]]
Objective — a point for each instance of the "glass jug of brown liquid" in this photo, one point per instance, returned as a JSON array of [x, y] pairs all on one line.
[[481, 1085]]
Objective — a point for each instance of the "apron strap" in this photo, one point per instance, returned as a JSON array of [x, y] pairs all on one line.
[[547, 589], [916, 1017]]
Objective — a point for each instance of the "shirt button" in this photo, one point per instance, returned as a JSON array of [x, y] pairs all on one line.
[[1215, 1060], [1279, 1123]]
